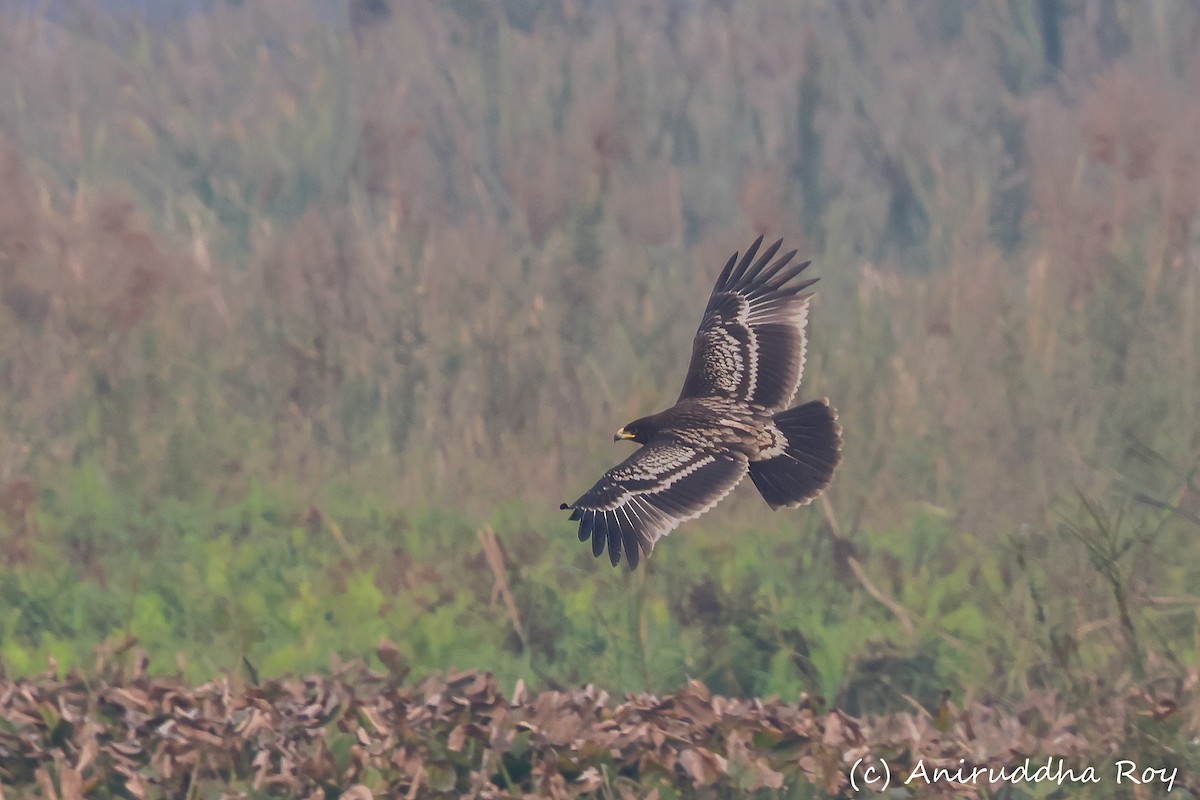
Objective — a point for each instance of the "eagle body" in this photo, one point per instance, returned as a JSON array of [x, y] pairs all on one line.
[[704, 423], [732, 417]]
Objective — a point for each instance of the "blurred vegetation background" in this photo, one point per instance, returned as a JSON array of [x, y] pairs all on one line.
[[310, 319]]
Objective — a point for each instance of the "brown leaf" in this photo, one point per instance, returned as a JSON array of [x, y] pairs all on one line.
[[392, 657], [833, 737], [768, 777], [457, 737], [702, 765], [43, 779], [70, 782], [88, 754], [372, 719], [563, 729], [134, 785]]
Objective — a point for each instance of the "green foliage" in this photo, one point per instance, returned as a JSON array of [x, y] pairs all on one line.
[[284, 586]]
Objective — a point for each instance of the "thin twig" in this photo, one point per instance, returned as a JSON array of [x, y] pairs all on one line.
[[901, 614], [495, 562]]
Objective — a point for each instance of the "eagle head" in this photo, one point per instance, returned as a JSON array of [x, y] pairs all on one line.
[[640, 430]]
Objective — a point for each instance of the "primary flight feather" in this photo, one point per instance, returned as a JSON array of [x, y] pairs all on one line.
[[732, 417]]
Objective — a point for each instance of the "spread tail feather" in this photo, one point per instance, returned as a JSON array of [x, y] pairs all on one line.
[[811, 451]]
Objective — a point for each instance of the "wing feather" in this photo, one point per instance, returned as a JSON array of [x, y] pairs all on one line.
[[767, 276], [753, 274], [588, 528], [751, 342], [649, 494], [743, 265], [614, 545], [728, 271]]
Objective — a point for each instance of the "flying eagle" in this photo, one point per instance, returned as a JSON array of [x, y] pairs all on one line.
[[731, 417]]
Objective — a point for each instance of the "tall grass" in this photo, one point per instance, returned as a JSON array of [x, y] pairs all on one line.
[[439, 256]]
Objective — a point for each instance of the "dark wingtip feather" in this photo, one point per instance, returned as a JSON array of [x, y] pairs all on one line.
[[598, 545], [632, 551], [786, 291], [724, 277], [781, 279], [736, 276], [750, 275], [771, 284], [602, 526], [614, 545], [587, 526], [773, 270]]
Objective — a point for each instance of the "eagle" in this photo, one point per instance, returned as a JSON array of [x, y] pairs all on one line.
[[732, 417]]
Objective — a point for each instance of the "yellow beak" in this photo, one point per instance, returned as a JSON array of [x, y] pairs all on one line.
[[622, 434]]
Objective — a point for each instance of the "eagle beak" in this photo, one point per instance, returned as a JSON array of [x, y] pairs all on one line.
[[622, 434]]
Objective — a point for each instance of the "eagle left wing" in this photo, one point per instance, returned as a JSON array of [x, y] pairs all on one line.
[[751, 342], [647, 495]]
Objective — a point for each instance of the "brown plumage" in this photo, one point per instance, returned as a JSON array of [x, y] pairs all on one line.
[[731, 418]]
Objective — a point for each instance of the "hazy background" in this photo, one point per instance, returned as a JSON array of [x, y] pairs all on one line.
[[312, 314]]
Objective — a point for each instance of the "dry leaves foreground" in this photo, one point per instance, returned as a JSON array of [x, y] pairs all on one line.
[[359, 734]]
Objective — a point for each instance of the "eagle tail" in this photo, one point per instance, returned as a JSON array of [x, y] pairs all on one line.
[[811, 452]]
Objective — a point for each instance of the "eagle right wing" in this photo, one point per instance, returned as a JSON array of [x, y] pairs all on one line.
[[751, 342], [648, 494]]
